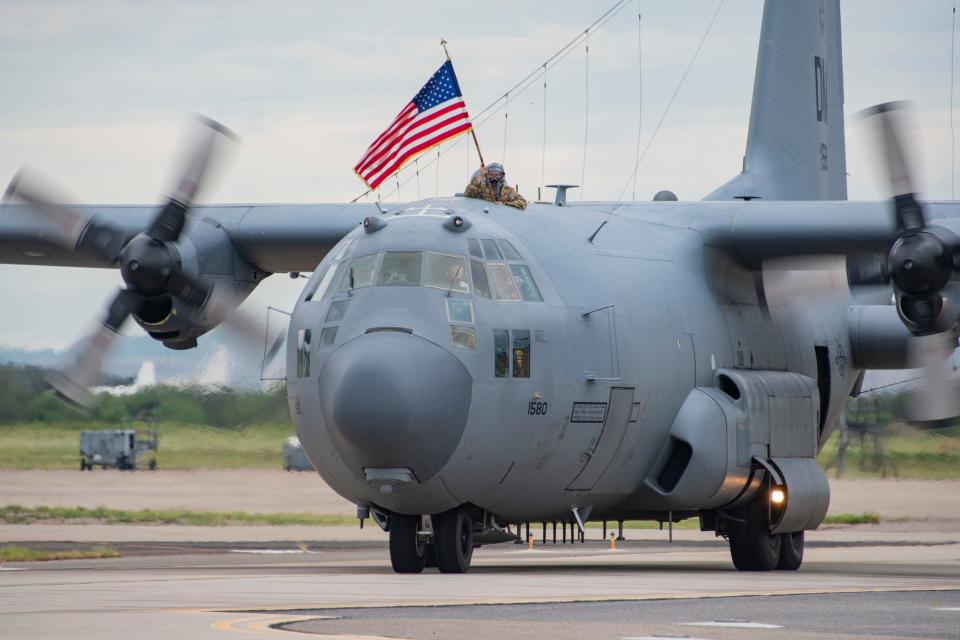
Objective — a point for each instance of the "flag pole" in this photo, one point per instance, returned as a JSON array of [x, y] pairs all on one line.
[[473, 133]]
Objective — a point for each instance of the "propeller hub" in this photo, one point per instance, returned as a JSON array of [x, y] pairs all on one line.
[[146, 265], [919, 264]]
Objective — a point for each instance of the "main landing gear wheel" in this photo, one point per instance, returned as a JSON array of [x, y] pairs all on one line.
[[791, 551], [752, 546], [453, 538], [407, 549]]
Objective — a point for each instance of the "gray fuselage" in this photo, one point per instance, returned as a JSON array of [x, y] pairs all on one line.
[[394, 415]]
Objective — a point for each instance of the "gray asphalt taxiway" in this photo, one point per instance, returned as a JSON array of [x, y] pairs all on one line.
[[850, 586]]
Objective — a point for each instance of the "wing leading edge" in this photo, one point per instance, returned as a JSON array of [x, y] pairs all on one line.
[[275, 238]]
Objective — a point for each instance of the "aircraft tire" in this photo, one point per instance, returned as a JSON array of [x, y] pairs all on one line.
[[430, 555], [453, 538], [407, 549], [752, 546], [791, 551]]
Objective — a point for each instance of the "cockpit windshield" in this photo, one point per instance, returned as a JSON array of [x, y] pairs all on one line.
[[492, 271]]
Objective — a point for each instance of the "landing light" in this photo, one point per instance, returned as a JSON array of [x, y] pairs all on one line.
[[777, 496]]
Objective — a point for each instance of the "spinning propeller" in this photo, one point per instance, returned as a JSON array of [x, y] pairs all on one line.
[[149, 261], [922, 266]]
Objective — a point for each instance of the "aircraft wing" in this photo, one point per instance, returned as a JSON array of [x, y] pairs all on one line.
[[274, 237], [758, 230]]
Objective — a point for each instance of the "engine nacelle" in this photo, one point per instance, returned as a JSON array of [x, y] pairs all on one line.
[[708, 462], [206, 252]]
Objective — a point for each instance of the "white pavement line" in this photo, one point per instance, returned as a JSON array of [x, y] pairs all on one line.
[[738, 624], [270, 551], [660, 638], [14, 569], [945, 608]]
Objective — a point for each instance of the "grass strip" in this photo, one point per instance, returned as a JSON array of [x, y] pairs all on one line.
[[18, 514], [14, 553], [868, 517]]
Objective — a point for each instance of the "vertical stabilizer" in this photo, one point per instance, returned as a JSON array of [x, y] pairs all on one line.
[[795, 146]]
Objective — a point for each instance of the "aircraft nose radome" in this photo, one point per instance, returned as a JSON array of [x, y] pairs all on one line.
[[392, 399]]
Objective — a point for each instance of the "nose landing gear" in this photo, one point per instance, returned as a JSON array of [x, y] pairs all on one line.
[[450, 550], [408, 549], [453, 538]]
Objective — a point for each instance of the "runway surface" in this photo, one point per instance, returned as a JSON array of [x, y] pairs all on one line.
[[846, 588], [266, 491]]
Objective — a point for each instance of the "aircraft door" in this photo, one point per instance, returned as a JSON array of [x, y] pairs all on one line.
[[608, 442]]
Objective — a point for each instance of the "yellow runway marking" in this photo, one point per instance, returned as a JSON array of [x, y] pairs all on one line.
[[604, 598], [263, 624]]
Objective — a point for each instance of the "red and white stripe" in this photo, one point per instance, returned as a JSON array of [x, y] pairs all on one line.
[[410, 134]]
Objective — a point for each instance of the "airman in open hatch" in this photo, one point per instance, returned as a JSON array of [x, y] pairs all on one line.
[[489, 183]]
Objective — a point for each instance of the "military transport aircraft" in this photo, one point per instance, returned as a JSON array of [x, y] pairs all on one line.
[[455, 366]]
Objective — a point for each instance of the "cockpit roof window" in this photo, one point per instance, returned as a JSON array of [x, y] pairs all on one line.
[[445, 272], [508, 251], [474, 246], [400, 268], [342, 249], [490, 250]]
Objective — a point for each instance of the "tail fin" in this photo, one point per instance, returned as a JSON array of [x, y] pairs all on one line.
[[795, 146]]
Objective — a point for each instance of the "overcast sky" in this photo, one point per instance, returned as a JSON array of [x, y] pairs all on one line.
[[96, 94]]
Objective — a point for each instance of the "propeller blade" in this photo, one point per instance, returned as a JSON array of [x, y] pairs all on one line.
[[867, 270], [72, 385], [887, 119], [68, 224], [219, 306], [204, 153], [72, 230], [937, 396], [189, 289]]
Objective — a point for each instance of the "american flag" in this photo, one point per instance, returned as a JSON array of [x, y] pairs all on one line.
[[435, 114]]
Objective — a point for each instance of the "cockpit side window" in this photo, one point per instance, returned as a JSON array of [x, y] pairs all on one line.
[[480, 283], [501, 353], [337, 310], [503, 285], [400, 268], [324, 286], [521, 353], [526, 285], [303, 353], [314, 285], [445, 272]]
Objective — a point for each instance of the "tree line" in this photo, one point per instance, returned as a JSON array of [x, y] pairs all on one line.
[[26, 397]]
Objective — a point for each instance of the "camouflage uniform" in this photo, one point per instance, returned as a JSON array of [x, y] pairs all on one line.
[[480, 188]]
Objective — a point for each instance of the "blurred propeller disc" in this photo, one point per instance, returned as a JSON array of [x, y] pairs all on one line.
[[921, 265], [149, 262], [73, 383], [798, 279], [937, 396]]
